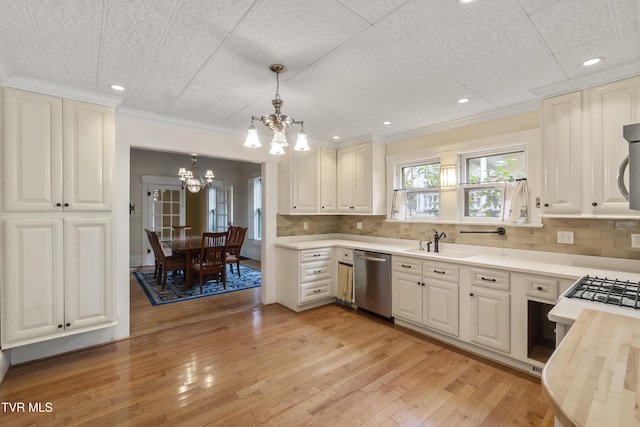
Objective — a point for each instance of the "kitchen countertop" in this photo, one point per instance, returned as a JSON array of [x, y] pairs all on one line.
[[562, 266], [593, 377]]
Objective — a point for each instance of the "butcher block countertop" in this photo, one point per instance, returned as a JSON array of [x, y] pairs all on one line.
[[593, 377]]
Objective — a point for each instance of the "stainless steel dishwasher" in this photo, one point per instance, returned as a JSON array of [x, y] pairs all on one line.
[[372, 281]]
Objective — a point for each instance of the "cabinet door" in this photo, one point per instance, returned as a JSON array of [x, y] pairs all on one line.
[[327, 180], [345, 179], [562, 153], [362, 179], [440, 306], [88, 156], [32, 294], [304, 177], [89, 290], [612, 106], [490, 319], [407, 297], [32, 142]]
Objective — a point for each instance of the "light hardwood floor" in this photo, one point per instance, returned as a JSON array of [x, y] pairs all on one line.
[[235, 362]]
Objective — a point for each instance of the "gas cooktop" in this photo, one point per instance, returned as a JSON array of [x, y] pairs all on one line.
[[622, 293]]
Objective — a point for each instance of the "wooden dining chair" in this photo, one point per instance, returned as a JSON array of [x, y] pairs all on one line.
[[212, 258], [164, 263], [180, 231], [235, 240]]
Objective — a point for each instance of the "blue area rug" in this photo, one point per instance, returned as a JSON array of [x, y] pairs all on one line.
[[176, 290]]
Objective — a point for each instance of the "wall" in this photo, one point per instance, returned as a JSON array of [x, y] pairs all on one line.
[[158, 163]]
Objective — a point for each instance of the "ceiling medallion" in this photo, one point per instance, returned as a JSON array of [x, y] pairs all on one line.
[[278, 123]]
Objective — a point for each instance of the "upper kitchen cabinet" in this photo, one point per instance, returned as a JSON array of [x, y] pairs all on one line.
[[58, 153], [361, 179], [562, 153], [611, 107], [583, 148], [307, 181]]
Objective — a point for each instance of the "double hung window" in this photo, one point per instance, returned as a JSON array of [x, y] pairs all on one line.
[[483, 181], [421, 182]]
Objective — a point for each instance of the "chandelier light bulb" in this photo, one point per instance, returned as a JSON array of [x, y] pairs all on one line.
[[279, 138], [276, 149], [193, 185], [301, 143], [209, 176], [252, 140]]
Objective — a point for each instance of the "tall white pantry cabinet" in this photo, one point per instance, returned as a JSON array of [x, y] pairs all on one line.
[[57, 166]]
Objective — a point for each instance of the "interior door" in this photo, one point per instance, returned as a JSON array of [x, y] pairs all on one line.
[[164, 208], [223, 208]]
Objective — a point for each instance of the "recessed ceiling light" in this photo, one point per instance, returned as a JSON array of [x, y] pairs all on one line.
[[465, 1], [592, 61], [386, 123], [116, 87], [463, 100], [336, 137]]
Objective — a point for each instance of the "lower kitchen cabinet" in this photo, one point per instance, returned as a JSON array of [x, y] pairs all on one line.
[[490, 310], [57, 278], [420, 298], [305, 278]]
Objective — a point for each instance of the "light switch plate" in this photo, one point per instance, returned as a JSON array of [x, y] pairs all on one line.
[[359, 225], [635, 241], [565, 237]]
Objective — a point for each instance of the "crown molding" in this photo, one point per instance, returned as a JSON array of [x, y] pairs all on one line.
[[40, 86], [465, 121], [588, 81]]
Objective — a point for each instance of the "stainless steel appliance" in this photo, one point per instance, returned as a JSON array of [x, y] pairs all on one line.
[[632, 134], [372, 281]]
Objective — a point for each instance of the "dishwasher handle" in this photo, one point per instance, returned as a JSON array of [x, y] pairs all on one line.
[[370, 258]]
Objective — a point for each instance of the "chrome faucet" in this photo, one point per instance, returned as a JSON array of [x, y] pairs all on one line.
[[436, 240]]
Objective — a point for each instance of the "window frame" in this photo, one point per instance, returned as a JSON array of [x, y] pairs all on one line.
[[399, 179], [463, 185]]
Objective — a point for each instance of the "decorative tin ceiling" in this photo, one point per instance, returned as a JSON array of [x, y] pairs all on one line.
[[352, 64]]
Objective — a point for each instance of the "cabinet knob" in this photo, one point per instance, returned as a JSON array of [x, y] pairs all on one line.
[[424, 284], [539, 288], [470, 294], [60, 326], [546, 205], [67, 324], [58, 204], [594, 204], [66, 205]]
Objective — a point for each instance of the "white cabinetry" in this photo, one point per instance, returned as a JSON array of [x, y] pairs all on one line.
[[562, 152], [58, 154], [583, 147], [57, 278], [611, 107], [490, 309], [308, 181], [360, 179], [313, 283], [58, 159], [426, 293]]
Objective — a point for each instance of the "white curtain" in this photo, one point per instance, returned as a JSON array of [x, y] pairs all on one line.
[[399, 205], [516, 202]]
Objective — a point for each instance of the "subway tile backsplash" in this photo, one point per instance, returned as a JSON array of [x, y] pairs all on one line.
[[597, 237]]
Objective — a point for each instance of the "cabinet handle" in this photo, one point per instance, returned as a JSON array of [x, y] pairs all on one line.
[[539, 288], [487, 280], [60, 326], [317, 291], [317, 271], [405, 266], [67, 324], [66, 205], [58, 205], [317, 255], [470, 294], [594, 204], [546, 205], [439, 271]]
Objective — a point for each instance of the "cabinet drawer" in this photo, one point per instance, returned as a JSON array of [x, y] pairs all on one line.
[[310, 271], [345, 255], [441, 271], [315, 254], [494, 279], [314, 291], [542, 288], [407, 265]]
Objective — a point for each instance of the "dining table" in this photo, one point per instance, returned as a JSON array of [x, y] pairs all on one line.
[[189, 247]]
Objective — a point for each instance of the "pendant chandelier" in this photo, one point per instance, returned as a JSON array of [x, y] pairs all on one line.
[[192, 182], [278, 123]]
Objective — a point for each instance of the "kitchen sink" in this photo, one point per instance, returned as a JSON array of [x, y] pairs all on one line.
[[442, 253]]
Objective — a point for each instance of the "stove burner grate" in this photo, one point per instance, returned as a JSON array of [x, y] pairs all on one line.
[[622, 293]]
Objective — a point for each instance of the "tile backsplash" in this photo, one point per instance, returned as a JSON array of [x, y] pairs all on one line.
[[597, 237]]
